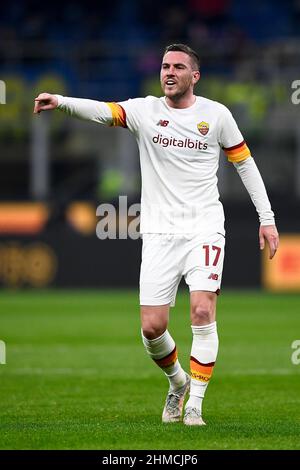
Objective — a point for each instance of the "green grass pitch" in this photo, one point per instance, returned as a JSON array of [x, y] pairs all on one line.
[[77, 376]]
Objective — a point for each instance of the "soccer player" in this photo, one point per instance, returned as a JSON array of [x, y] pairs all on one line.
[[182, 221]]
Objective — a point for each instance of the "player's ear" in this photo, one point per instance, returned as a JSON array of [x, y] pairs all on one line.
[[196, 76]]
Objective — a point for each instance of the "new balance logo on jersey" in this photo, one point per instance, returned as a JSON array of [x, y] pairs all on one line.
[[213, 276], [162, 123]]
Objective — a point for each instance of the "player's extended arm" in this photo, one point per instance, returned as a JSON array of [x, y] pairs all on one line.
[[254, 184], [90, 110]]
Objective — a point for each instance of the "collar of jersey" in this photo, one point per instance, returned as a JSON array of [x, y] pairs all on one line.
[[181, 109]]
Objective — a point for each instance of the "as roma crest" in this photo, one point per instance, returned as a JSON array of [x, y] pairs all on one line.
[[203, 127]]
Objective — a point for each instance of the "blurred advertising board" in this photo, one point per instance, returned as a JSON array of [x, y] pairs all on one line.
[[283, 272]]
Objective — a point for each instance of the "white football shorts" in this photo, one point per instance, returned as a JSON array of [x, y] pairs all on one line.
[[168, 257]]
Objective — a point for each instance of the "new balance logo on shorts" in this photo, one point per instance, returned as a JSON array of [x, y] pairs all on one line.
[[213, 276]]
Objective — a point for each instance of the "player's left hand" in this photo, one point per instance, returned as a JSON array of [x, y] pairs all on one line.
[[269, 233]]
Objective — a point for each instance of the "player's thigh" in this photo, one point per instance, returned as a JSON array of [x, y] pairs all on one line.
[[159, 276], [203, 274]]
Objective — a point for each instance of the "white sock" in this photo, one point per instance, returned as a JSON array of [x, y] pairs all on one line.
[[195, 402], [163, 351], [203, 356]]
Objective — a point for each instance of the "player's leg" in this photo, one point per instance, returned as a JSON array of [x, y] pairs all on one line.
[[159, 343], [203, 353], [158, 285], [161, 347], [204, 272]]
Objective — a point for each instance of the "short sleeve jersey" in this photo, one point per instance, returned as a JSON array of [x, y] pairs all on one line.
[[179, 157]]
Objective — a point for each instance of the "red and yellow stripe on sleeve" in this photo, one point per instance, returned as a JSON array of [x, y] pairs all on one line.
[[118, 114], [238, 152]]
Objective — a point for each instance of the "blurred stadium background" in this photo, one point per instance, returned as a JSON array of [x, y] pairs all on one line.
[[76, 370], [55, 171]]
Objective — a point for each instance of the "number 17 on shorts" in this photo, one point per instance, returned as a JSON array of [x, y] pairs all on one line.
[[205, 265]]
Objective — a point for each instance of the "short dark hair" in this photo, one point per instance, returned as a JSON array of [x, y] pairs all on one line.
[[187, 50]]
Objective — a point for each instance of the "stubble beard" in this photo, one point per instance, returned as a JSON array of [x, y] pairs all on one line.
[[176, 95]]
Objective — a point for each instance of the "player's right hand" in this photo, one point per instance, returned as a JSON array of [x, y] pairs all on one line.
[[45, 102]]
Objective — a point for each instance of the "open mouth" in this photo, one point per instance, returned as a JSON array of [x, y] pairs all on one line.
[[170, 82]]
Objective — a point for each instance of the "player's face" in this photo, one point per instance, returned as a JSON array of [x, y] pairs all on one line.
[[178, 76]]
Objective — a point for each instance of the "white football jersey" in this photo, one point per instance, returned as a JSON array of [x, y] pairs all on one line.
[[179, 155]]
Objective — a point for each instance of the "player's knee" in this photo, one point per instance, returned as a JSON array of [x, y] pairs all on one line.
[[202, 315], [152, 331]]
